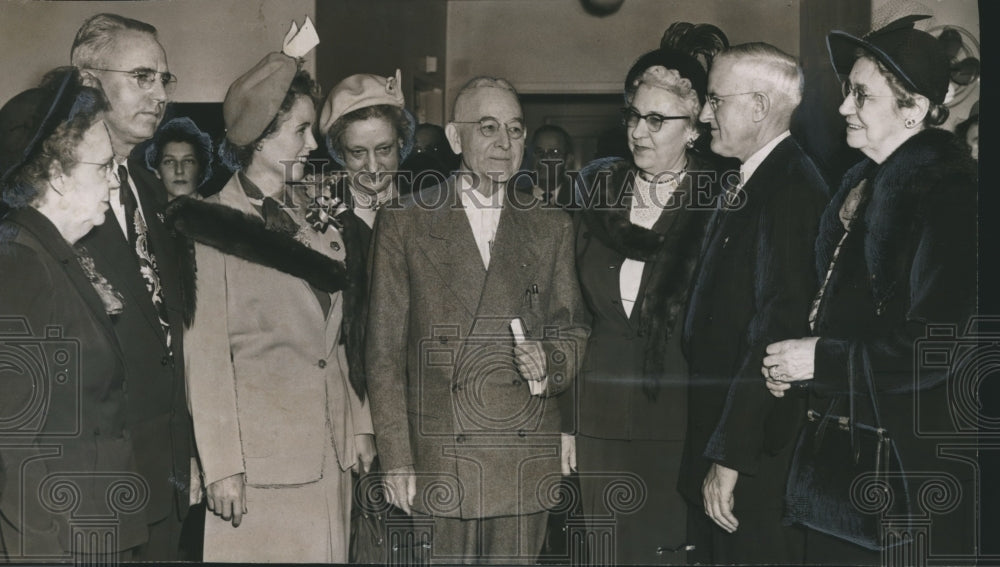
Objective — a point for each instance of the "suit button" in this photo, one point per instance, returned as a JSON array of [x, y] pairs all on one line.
[[460, 439], [321, 363], [165, 360]]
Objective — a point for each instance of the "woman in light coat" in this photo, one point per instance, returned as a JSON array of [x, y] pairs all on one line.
[[277, 422]]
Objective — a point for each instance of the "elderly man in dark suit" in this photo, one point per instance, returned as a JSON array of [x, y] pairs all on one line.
[[754, 285], [465, 414], [124, 58]]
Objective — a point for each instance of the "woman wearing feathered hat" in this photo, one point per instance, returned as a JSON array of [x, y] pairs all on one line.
[[276, 399], [896, 255], [62, 390], [637, 248]]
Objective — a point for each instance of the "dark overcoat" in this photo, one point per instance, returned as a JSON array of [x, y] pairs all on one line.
[[898, 302], [754, 287], [157, 416], [66, 453]]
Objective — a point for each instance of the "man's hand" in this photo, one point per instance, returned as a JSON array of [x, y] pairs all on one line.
[[228, 498], [401, 485], [568, 459], [197, 490], [530, 359], [717, 493], [365, 443]]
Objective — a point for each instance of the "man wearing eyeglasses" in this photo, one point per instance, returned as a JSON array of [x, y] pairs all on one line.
[[755, 283], [552, 150], [464, 406], [131, 249]]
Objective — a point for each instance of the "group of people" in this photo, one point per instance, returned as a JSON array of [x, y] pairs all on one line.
[[257, 348]]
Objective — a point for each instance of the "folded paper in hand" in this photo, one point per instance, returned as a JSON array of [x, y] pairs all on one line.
[[299, 41], [537, 387]]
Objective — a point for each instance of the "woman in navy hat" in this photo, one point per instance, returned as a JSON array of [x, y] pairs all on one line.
[[278, 404], [636, 251], [66, 453], [181, 156], [897, 257]]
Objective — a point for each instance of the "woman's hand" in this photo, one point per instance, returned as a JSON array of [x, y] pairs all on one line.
[[365, 443], [227, 497], [789, 361]]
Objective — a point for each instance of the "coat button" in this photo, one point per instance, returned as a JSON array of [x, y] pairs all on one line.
[[460, 438], [321, 363], [335, 245], [165, 360]]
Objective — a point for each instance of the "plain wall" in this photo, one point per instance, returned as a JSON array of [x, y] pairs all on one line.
[[555, 46], [208, 43]]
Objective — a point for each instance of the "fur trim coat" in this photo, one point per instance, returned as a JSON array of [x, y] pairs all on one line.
[[245, 236]]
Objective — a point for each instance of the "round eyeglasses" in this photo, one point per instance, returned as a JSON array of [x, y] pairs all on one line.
[[860, 96], [489, 127], [716, 100], [145, 78], [654, 121]]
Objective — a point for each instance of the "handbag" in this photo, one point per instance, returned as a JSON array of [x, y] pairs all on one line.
[[846, 477], [368, 520]]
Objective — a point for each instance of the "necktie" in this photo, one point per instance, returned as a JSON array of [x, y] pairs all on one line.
[[135, 227]]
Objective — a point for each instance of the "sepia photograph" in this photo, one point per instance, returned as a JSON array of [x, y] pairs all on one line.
[[506, 282]]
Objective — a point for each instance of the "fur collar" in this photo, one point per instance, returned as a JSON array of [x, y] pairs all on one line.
[[672, 257], [244, 236], [924, 178]]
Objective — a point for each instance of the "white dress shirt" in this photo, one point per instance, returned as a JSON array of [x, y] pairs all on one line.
[[648, 202], [484, 215]]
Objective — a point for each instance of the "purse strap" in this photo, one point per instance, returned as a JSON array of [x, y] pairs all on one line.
[[872, 395]]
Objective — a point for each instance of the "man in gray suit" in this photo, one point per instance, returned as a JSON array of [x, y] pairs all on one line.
[[465, 414]]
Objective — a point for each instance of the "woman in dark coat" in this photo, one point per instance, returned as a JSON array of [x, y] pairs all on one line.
[[66, 454], [897, 257], [638, 243]]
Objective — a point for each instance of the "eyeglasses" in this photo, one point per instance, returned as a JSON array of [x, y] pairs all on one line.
[[110, 171], [489, 127], [654, 121], [145, 78], [860, 96], [716, 100]]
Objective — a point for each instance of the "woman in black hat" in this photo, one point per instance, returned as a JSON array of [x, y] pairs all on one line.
[[897, 257], [637, 248], [66, 453]]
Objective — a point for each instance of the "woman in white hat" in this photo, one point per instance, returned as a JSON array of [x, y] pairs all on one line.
[[278, 410], [369, 132]]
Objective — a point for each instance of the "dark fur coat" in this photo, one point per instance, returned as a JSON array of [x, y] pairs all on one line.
[[672, 255], [246, 237]]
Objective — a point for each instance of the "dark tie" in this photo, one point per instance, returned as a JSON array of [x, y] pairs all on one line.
[[138, 239]]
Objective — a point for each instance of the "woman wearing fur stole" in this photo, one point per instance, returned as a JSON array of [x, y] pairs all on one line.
[[279, 418], [639, 238]]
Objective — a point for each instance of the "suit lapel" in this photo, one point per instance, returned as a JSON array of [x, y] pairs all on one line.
[[451, 249], [514, 253]]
